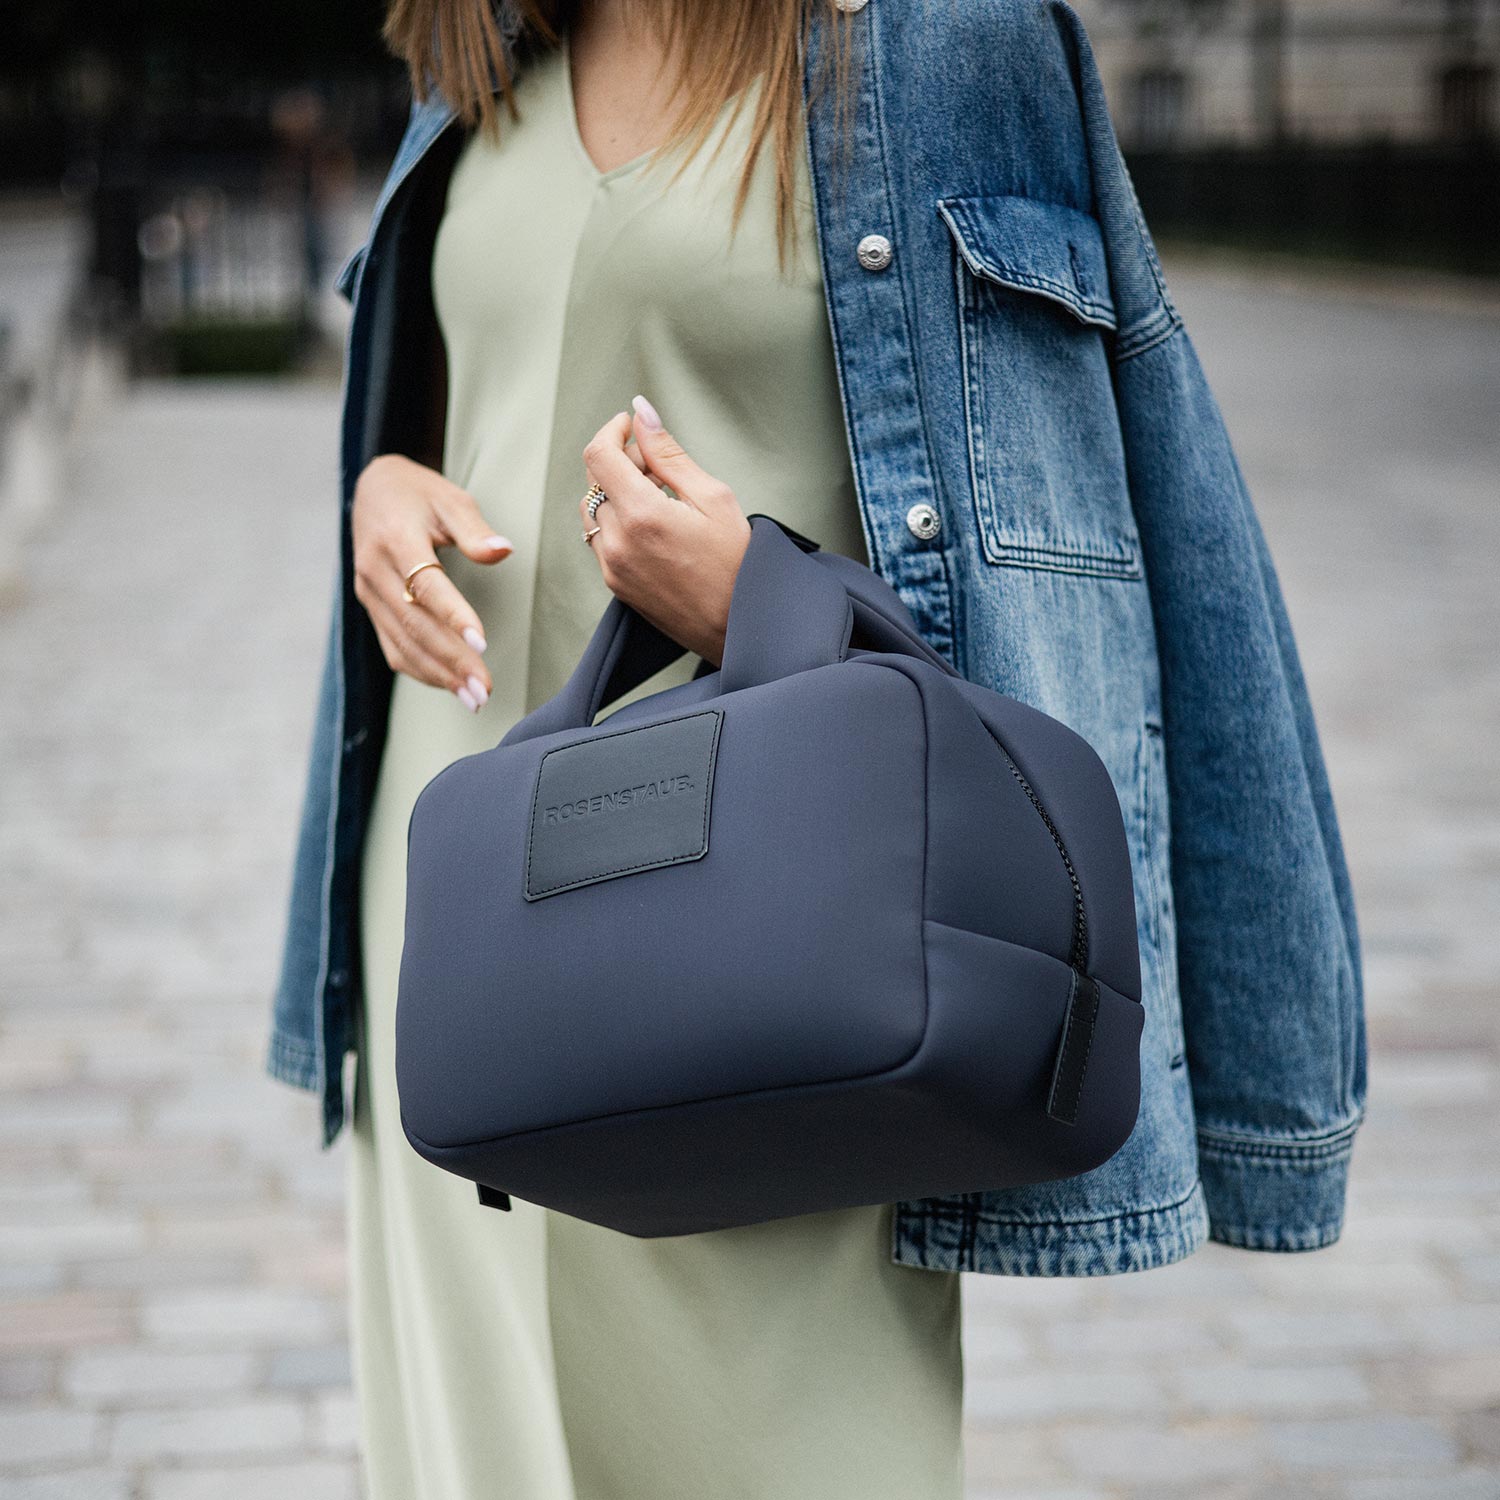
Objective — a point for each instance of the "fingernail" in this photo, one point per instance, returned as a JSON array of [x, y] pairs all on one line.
[[647, 414], [465, 697], [498, 543], [474, 640], [478, 692]]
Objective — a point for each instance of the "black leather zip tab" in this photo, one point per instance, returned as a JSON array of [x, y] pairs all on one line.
[[1073, 1051], [492, 1197]]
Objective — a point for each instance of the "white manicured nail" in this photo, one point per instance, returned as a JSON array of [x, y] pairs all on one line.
[[478, 692], [467, 699], [474, 640], [498, 543], [647, 413]]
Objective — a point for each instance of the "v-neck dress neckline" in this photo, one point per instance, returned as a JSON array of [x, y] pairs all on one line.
[[564, 65]]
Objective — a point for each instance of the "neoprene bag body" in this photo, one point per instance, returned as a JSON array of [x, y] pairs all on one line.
[[827, 926]]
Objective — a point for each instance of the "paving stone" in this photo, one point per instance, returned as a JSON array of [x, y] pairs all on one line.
[[1479, 1432], [1225, 1389], [1128, 1337], [32, 1435], [1020, 1453], [35, 1114], [1398, 1224], [1464, 1381], [1152, 1453], [195, 1229], [39, 1190], [1303, 1489], [1456, 1325], [27, 1278], [1406, 1280], [1468, 1484], [236, 1315], [296, 1369], [304, 1481], [71, 1484], [335, 1422], [1068, 1492], [998, 1299], [134, 1376], [64, 1321], [1371, 1443], [269, 1425], [1481, 1271], [71, 1232], [161, 1269], [26, 1374], [1212, 1274], [322, 1267], [1271, 1328], [1040, 1395]]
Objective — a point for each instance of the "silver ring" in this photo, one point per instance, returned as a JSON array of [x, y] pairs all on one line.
[[595, 498]]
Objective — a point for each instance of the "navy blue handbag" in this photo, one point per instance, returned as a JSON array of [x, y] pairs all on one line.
[[827, 926]]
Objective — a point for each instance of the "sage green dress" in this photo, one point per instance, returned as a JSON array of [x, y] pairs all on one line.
[[528, 1355]]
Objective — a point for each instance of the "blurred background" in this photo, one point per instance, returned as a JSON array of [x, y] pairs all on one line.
[[178, 184]]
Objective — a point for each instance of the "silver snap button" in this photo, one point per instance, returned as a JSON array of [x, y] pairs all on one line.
[[923, 522], [850, 5], [874, 252]]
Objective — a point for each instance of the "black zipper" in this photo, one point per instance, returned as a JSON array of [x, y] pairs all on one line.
[[1079, 957]]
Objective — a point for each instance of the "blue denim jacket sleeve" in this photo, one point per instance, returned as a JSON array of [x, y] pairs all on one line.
[[1274, 1030], [297, 1047]]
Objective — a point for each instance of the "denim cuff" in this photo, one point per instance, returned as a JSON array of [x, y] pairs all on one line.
[[1275, 1194], [291, 1061]]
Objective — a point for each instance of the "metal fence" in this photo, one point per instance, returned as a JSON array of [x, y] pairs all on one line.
[[211, 266]]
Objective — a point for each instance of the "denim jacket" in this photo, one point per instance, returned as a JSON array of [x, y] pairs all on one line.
[[1045, 479]]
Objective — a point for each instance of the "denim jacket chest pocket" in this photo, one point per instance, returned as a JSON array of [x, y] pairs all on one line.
[[1036, 326]]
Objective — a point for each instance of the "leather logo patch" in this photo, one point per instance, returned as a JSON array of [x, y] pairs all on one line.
[[633, 800]]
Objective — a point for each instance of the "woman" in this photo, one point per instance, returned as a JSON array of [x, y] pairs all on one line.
[[918, 319]]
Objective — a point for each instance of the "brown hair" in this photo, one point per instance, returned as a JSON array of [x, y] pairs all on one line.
[[457, 48]]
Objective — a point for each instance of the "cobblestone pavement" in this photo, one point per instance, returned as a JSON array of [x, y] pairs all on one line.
[[171, 1268]]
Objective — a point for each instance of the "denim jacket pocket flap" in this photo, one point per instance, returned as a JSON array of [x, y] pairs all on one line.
[[1033, 246], [348, 274], [1036, 328]]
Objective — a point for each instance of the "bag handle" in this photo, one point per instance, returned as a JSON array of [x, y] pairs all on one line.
[[791, 611]]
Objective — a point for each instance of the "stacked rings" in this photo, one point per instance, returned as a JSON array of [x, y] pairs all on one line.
[[594, 499]]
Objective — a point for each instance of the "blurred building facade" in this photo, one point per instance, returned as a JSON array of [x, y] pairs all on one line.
[[1184, 73]]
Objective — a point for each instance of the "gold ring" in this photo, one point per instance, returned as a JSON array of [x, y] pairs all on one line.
[[591, 533], [406, 592], [594, 499]]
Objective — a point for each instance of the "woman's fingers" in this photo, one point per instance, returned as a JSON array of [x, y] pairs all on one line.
[[404, 652], [666, 459], [437, 637], [439, 597], [617, 473], [634, 454], [421, 648], [673, 559], [403, 512], [461, 522], [461, 661]]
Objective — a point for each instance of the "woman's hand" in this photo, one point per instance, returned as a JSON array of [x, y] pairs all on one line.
[[674, 561], [403, 512]]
